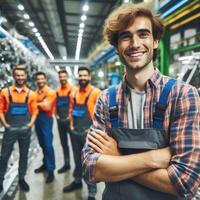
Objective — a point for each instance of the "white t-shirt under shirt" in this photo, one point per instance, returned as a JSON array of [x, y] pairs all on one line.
[[135, 109]]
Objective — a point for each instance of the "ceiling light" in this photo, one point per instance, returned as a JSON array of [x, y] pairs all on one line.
[[69, 71], [20, 7], [78, 48], [37, 34], [126, 1], [100, 74], [31, 24], [83, 17], [81, 30], [26, 16], [64, 57], [35, 30], [117, 63], [85, 8], [45, 48], [82, 25], [57, 68]]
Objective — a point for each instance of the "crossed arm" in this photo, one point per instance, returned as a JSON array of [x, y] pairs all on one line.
[[148, 169]]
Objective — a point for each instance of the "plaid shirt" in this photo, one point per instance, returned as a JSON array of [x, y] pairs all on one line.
[[182, 122]]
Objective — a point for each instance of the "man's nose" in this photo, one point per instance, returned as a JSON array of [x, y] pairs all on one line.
[[135, 42]]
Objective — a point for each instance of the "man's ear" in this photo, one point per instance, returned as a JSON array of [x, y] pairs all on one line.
[[155, 44]]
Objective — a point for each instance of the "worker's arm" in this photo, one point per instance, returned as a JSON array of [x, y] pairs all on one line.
[[48, 102], [111, 166], [3, 104], [33, 109], [3, 121]]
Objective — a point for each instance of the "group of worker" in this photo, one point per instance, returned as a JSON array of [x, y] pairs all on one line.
[[21, 108]]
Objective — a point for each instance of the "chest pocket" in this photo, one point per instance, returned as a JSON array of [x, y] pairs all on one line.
[[80, 109]]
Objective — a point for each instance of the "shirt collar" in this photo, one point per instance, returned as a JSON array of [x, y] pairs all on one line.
[[24, 88], [43, 90], [152, 82]]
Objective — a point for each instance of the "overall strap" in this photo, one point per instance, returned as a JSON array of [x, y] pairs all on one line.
[[27, 96], [161, 106], [86, 99], [9, 95], [68, 93], [113, 108]]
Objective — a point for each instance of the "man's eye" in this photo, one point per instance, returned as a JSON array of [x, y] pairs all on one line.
[[125, 37], [143, 35]]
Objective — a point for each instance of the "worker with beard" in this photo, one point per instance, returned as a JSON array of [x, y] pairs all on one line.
[[82, 104], [46, 99], [62, 116], [18, 112]]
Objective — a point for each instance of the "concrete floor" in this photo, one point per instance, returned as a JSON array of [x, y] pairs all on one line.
[[39, 190]]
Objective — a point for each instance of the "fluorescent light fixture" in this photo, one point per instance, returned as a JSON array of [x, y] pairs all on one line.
[[85, 8], [82, 25], [83, 17], [26, 16], [185, 58], [37, 34], [35, 30], [76, 70], [172, 9], [57, 68], [78, 48], [44, 46], [20, 7], [31, 24], [80, 34], [81, 30], [64, 57], [69, 71]]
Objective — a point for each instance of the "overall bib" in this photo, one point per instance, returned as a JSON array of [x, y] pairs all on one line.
[[62, 108], [135, 141], [82, 122], [44, 125], [17, 117]]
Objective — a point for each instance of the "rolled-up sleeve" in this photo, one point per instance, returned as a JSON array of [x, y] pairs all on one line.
[[184, 169]]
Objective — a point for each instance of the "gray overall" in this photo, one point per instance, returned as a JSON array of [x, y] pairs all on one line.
[[17, 117], [134, 141], [62, 108], [82, 122]]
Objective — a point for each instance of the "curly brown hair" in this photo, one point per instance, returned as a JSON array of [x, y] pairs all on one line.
[[124, 16]]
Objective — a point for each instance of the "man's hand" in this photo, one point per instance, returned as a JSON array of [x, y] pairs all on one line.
[[7, 125], [102, 143]]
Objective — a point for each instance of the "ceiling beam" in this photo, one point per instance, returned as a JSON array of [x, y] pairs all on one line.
[[52, 47], [61, 12], [79, 14]]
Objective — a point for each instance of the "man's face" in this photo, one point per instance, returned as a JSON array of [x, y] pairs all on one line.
[[136, 44], [41, 81], [19, 77], [83, 78], [63, 78]]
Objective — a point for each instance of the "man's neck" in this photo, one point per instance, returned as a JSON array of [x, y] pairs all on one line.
[[41, 88], [138, 79]]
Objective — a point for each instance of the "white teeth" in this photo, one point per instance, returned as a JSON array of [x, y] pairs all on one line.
[[136, 54]]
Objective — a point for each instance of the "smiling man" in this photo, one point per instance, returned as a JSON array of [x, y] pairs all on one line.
[[144, 141], [46, 101], [18, 112], [82, 104]]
